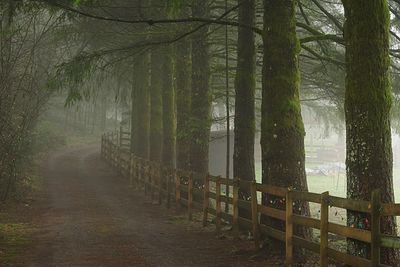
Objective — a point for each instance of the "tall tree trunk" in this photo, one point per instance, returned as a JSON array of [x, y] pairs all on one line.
[[368, 102], [243, 156], [156, 104], [169, 118], [282, 137], [183, 91], [200, 122], [140, 123]]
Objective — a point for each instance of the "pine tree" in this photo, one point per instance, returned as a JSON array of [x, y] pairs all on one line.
[[243, 156], [200, 121], [368, 102], [282, 136]]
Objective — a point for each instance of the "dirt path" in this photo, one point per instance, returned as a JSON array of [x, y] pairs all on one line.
[[88, 216]]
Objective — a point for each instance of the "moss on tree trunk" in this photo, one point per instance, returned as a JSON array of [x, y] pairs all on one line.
[[282, 137], [183, 91], [368, 102], [200, 121], [140, 124], [243, 156]]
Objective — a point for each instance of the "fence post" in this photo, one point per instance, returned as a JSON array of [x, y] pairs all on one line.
[[235, 201], [152, 180], [160, 183], [177, 189], [375, 228], [324, 229], [218, 204], [190, 196], [206, 199], [289, 229], [145, 175], [131, 171], [254, 214], [139, 170], [168, 173]]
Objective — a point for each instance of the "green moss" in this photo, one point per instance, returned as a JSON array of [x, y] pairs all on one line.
[[367, 106]]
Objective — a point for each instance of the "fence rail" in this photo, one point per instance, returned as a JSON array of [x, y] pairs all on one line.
[[196, 192]]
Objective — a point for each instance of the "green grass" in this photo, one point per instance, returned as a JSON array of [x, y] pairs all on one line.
[[336, 185]]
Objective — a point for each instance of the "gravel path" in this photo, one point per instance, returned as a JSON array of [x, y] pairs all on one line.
[[88, 216]]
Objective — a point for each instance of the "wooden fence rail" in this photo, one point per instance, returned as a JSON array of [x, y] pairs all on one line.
[[194, 191]]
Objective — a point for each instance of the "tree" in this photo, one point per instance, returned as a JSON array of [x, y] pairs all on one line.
[[140, 125], [156, 104], [243, 156], [282, 136], [183, 91], [169, 118], [368, 101], [200, 121]]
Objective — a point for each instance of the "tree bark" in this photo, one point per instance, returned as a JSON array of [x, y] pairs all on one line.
[[282, 136], [140, 124], [243, 156], [368, 102], [169, 117], [156, 117], [183, 91], [200, 122]]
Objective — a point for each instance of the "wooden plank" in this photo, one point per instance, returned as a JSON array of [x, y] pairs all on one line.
[[223, 198], [390, 209], [228, 182], [177, 189], [348, 259], [272, 232], [350, 204], [339, 256], [289, 229], [306, 221], [168, 174], [272, 190], [272, 212], [375, 228], [388, 241], [323, 253], [206, 200], [307, 196], [218, 205], [303, 243], [190, 197], [254, 214], [354, 233]]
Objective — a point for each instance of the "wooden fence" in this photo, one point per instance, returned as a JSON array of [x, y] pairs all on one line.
[[196, 192]]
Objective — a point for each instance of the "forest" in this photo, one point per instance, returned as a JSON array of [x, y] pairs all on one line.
[[275, 122]]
